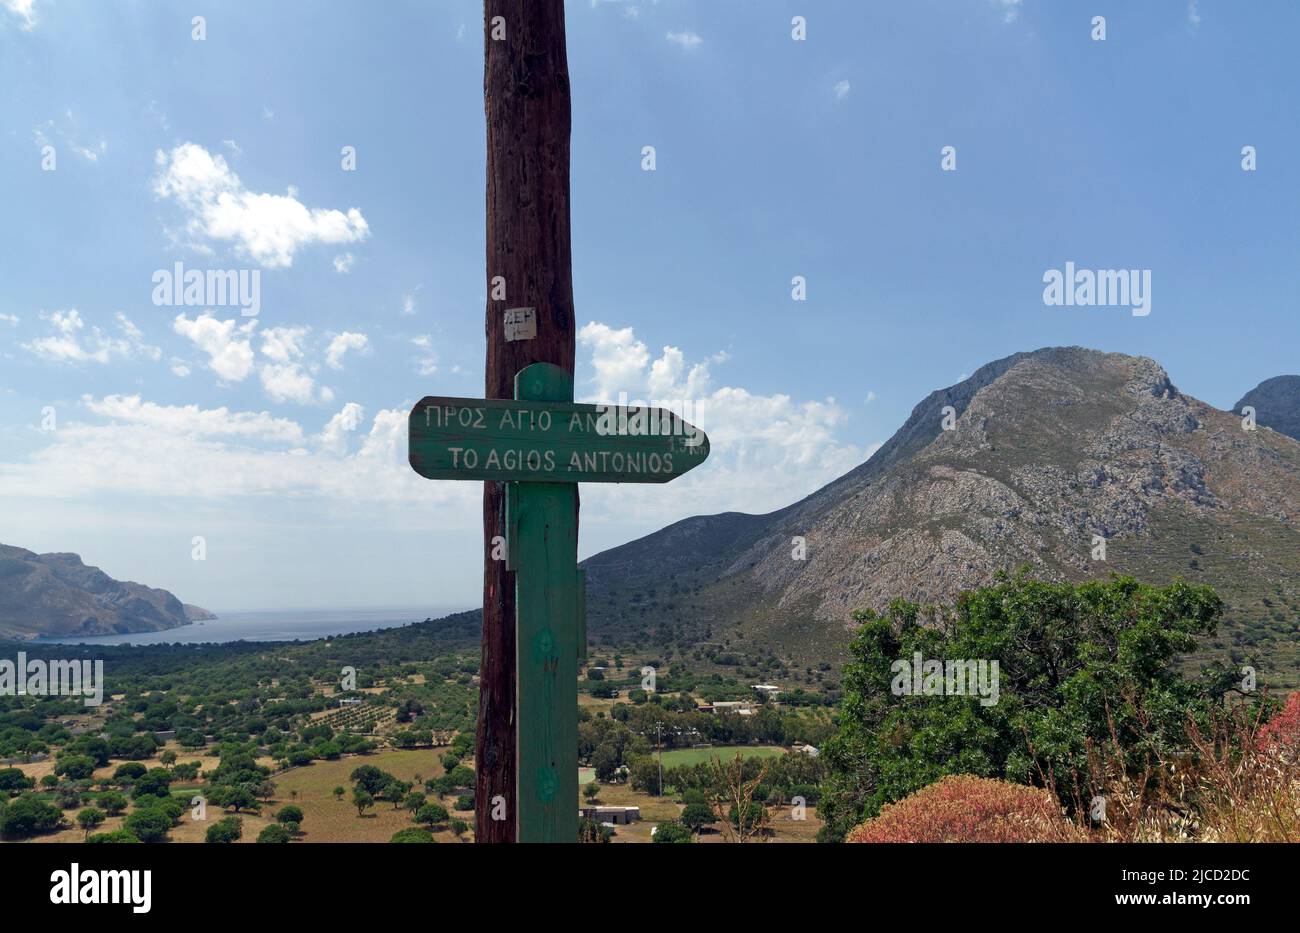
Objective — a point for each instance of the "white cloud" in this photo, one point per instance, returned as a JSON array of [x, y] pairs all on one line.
[[348, 419], [232, 146], [427, 363], [65, 132], [842, 89], [1193, 14], [268, 228], [618, 357], [227, 344], [24, 10], [686, 39], [190, 455], [179, 367], [871, 396], [343, 263], [408, 301], [284, 379], [283, 344], [1010, 9], [341, 344], [195, 421], [765, 450], [72, 343], [287, 382], [9, 319]]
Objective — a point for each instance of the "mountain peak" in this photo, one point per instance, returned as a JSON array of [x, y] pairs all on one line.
[[1277, 404], [1034, 459], [58, 594]]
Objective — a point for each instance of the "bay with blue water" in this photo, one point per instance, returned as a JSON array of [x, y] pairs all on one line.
[[280, 625]]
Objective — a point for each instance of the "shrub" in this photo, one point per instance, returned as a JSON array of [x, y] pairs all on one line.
[[90, 818], [432, 814], [1075, 663], [226, 829], [13, 779], [28, 816], [289, 814], [671, 831], [698, 815], [117, 835], [129, 772], [150, 824], [965, 808], [413, 834], [274, 833], [112, 802], [1282, 732]]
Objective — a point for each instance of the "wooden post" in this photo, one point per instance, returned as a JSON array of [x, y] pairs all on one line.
[[529, 264]]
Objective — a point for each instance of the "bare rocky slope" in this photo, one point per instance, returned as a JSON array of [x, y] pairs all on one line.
[[1050, 451], [58, 595], [1277, 404]]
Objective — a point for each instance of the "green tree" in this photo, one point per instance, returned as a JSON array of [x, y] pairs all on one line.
[[412, 834], [671, 831], [696, 816], [1073, 660], [273, 833], [153, 783], [113, 802], [13, 779], [75, 767], [28, 815], [118, 835], [225, 830], [371, 779], [90, 819], [290, 814], [362, 800], [432, 814], [148, 825], [129, 772]]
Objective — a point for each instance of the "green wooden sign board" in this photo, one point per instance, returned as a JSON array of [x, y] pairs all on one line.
[[550, 442], [541, 444]]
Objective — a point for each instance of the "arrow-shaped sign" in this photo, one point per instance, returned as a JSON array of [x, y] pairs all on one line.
[[550, 442]]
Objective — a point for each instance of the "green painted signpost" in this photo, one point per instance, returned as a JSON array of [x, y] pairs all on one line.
[[541, 444]]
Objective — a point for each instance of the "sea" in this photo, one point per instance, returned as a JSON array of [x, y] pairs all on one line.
[[281, 625]]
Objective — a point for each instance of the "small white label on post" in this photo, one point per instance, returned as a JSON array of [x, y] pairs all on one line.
[[521, 323]]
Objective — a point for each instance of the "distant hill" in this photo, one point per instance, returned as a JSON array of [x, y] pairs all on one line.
[[1277, 404], [58, 595], [1048, 448]]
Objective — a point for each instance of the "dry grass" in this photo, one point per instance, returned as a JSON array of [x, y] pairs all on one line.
[[1231, 784]]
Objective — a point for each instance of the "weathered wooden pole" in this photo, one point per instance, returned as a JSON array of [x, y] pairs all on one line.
[[529, 265]]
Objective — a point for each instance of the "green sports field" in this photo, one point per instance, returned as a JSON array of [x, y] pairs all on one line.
[[694, 756]]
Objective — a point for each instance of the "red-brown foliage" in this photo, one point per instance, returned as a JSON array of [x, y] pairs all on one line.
[[1282, 732], [964, 808]]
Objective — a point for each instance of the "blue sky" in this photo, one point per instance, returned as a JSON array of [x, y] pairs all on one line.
[[279, 438]]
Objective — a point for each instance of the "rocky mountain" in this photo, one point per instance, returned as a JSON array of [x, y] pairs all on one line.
[[1049, 455], [56, 594], [1277, 404]]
